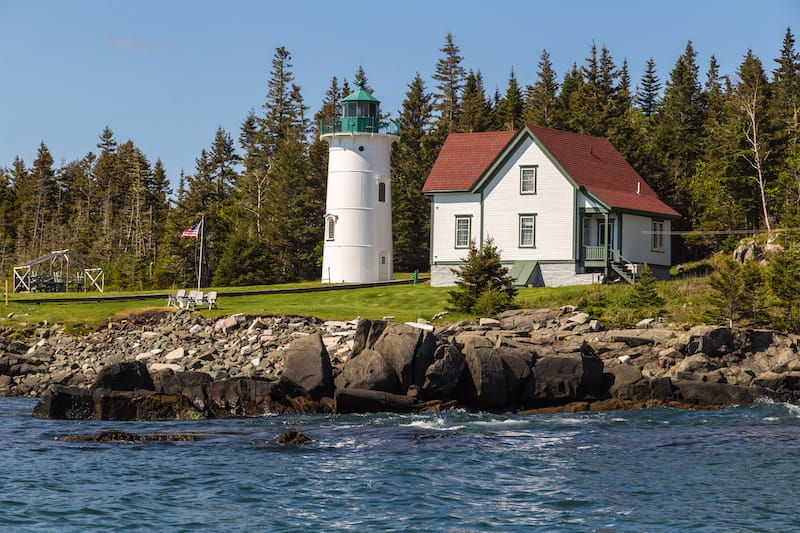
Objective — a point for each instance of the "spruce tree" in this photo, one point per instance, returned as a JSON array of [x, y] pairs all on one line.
[[751, 99], [483, 283], [509, 109], [784, 116], [727, 290], [411, 161], [568, 110], [474, 107], [679, 129], [449, 77], [541, 97], [783, 277], [647, 96]]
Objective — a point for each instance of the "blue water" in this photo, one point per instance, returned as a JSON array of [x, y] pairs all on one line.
[[646, 470]]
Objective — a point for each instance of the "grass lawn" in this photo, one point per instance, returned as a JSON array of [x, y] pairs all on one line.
[[685, 301]]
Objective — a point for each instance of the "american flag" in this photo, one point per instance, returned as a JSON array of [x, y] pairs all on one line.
[[191, 233]]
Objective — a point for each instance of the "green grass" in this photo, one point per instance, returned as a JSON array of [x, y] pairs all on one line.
[[685, 303]]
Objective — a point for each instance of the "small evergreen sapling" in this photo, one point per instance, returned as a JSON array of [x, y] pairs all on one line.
[[483, 284]]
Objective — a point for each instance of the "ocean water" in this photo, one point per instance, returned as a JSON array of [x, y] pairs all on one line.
[[646, 470]]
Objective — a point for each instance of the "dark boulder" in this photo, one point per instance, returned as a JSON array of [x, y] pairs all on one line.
[[308, 366], [245, 397], [125, 376], [158, 406], [486, 386], [711, 340], [65, 403], [399, 345], [517, 365], [703, 394], [367, 332], [371, 401], [368, 371], [115, 404], [190, 385], [568, 377], [443, 375], [292, 437]]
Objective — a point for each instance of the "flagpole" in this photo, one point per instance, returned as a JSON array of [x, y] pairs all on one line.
[[200, 263]]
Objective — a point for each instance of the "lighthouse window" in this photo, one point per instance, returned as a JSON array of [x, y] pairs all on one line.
[[331, 228], [381, 192]]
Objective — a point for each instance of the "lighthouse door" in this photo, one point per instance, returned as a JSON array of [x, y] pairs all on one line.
[[383, 269]]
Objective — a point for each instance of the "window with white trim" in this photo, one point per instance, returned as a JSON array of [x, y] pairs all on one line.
[[527, 231], [658, 236], [463, 231], [527, 180]]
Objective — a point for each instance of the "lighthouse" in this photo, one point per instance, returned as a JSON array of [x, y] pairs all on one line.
[[358, 208]]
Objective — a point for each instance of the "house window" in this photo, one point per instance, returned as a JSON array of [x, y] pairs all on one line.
[[658, 236], [381, 192], [527, 180], [463, 231], [527, 231], [330, 228], [587, 231]]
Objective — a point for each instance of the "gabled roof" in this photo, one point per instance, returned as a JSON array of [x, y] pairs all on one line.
[[591, 163]]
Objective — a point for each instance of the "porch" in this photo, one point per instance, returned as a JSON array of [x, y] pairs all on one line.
[[611, 260]]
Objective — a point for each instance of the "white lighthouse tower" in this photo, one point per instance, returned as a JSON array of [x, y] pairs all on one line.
[[358, 217]]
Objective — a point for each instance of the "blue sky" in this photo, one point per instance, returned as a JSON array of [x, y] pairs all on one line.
[[167, 73]]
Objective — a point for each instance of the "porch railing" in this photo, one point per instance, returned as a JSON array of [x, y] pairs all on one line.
[[595, 253]]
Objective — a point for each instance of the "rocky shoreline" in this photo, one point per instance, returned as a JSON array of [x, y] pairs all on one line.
[[168, 365]]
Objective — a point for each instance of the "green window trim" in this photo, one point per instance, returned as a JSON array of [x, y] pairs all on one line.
[[527, 179], [527, 230], [657, 241], [463, 227]]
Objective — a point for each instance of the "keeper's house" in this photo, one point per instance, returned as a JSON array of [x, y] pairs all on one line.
[[563, 208]]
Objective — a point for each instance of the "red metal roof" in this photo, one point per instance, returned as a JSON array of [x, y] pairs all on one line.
[[592, 162]]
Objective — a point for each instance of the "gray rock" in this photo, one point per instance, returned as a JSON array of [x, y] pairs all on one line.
[[308, 366], [369, 371]]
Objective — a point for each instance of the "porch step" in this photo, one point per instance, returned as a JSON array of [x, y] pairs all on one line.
[[625, 270]]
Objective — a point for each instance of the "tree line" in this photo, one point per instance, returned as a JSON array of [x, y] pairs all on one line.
[[721, 149]]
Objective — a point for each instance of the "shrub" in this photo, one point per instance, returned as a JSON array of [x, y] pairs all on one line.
[[482, 272]]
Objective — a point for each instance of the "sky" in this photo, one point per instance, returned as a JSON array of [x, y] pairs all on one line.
[[167, 73]]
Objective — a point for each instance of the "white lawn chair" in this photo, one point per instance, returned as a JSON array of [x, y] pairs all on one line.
[[177, 298], [191, 300], [211, 299]]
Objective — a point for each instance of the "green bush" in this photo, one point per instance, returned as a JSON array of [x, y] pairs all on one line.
[[482, 272]]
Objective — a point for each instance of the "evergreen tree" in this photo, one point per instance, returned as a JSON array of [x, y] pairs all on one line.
[[509, 109], [727, 290], [785, 123], [783, 278], [678, 132], [755, 296], [541, 97], [751, 99], [647, 96], [9, 214], [569, 112], [644, 296], [716, 203], [412, 160], [475, 110], [449, 76], [482, 280], [36, 191]]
